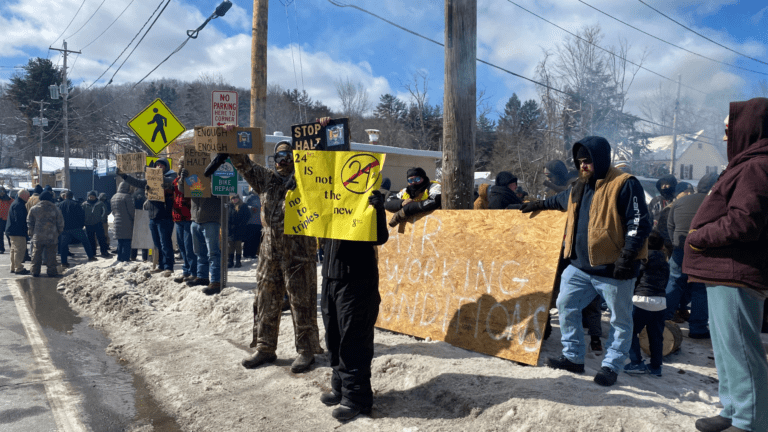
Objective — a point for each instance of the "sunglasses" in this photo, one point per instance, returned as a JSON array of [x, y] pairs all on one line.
[[413, 180], [283, 155]]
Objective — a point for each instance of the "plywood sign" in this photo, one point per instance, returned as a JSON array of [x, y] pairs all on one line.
[[239, 140], [478, 279], [132, 162], [196, 185], [155, 183]]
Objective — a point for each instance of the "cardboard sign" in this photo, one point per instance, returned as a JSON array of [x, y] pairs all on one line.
[[478, 279], [237, 141], [155, 182], [312, 136], [331, 195], [132, 162], [196, 184]]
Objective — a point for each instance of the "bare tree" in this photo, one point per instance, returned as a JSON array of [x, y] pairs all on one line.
[[354, 98]]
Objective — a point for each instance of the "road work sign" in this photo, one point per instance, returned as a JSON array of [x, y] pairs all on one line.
[[156, 126], [331, 195], [224, 108]]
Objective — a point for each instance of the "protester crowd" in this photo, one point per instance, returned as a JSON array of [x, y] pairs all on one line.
[[641, 263]]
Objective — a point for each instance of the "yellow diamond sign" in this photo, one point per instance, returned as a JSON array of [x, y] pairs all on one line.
[[156, 126]]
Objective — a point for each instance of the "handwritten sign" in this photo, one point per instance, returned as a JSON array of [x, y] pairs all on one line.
[[331, 195], [132, 162], [313, 136], [196, 184], [481, 280], [237, 141], [155, 183]]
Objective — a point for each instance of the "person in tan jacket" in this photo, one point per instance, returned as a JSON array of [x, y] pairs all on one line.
[[481, 203]]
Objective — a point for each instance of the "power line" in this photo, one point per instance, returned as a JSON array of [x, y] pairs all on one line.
[[301, 63], [108, 27], [293, 58], [139, 42], [699, 34], [70, 23], [671, 44], [606, 50], [341, 5], [88, 20]]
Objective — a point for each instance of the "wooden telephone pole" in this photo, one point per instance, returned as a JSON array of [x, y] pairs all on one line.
[[459, 103], [65, 95], [259, 67]]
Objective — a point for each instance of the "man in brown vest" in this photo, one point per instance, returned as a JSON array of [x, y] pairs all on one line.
[[605, 239]]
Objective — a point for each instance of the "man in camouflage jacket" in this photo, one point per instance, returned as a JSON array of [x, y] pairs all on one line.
[[45, 223], [286, 263]]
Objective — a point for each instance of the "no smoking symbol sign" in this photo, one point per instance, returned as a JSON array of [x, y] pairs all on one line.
[[360, 173]]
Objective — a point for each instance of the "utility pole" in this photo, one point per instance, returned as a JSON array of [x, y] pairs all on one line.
[[259, 67], [65, 93], [674, 129], [42, 125], [459, 103]]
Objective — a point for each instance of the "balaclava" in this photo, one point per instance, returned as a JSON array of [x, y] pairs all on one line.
[[283, 166], [415, 190]]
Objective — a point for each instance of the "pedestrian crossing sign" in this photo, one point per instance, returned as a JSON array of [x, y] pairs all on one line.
[[156, 126]]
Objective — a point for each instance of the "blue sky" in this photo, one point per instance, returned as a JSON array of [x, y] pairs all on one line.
[[345, 43]]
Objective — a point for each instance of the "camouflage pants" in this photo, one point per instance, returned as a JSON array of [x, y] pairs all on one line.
[[49, 250], [296, 276]]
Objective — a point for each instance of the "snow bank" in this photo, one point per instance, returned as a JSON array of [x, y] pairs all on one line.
[[188, 347]]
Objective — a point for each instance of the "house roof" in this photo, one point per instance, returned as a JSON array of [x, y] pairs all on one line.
[[52, 164], [661, 146]]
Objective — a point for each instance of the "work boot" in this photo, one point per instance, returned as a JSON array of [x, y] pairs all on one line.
[[65, 266], [563, 363], [231, 261], [198, 282], [106, 255], [238, 264], [345, 413], [213, 288], [606, 377], [22, 272], [168, 273], [92, 259], [181, 279], [713, 424], [257, 359], [302, 363], [330, 399], [156, 270], [595, 345]]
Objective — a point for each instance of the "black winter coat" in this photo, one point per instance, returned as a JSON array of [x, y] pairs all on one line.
[[237, 222], [501, 198], [17, 219], [654, 274], [355, 259], [74, 216]]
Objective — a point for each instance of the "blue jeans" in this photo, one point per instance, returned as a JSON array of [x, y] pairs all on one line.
[[577, 290], [736, 316], [186, 247], [205, 239], [161, 236], [653, 323], [123, 250], [66, 238], [678, 287]]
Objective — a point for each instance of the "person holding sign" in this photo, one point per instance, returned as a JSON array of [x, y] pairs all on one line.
[[420, 196], [286, 263], [605, 239], [350, 305]]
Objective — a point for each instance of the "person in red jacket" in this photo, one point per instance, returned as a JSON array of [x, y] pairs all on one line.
[[5, 205], [726, 250], [182, 217]]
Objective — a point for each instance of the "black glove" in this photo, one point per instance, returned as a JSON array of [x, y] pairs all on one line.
[[147, 188], [623, 268], [398, 218], [183, 172], [376, 200], [215, 164], [532, 206]]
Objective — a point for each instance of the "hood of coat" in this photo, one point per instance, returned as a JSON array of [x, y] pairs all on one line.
[[505, 178], [483, 191], [558, 170], [599, 150], [747, 130], [123, 188]]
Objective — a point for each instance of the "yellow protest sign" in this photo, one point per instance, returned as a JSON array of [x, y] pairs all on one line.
[[156, 126], [331, 195]]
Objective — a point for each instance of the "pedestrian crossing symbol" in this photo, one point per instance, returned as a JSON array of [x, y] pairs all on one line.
[[156, 126]]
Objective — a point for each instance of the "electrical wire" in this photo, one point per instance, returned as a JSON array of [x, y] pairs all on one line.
[[699, 34], [293, 58], [139, 42], [606, 50], [70, 23], [86, 21], [671, 44], [301, 63], [108, 27]]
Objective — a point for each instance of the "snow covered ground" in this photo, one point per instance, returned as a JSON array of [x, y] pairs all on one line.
[[188, 347]]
